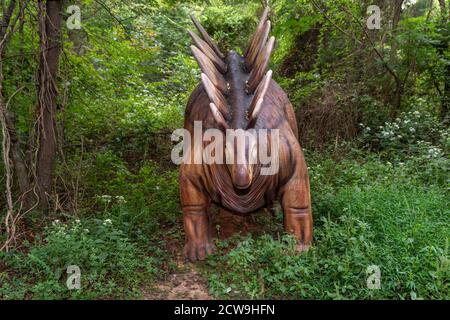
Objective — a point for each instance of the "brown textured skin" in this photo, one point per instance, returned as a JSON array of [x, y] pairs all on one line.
[[201, 185]]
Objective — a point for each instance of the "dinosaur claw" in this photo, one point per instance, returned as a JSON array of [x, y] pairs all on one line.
[[198, 251], [302, 247]]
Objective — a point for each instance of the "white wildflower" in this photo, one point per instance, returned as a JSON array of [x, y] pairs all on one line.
[[121, 200], [434, 152], [106, 198]]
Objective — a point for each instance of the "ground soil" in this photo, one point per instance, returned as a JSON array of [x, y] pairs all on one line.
[[186, 282]]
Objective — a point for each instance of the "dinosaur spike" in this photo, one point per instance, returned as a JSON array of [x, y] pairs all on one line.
[[258, 31], [215, 95], [254, 115], [261, 40], [218, 116], [260, 66], [206, 36], [206, 49], [259, 94], [209, 69]]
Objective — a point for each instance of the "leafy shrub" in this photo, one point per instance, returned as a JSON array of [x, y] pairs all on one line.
[[158, 190], [109, 174], [229, 24], [113, 182], [140, 201], [416, 141], [402, 229], [111, 265], [406, 130], [369, 168]]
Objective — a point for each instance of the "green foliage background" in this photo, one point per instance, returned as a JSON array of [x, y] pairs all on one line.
[[379, 171]]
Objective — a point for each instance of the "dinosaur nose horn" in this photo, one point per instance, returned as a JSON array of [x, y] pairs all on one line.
[[242, 177]]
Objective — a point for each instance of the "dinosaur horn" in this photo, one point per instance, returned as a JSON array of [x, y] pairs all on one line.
[[260, 66], [218, 116], [215, 96], [206, 49], [261, 39], [259, 30], [258, 98], [206, 36], [253, 117], [259, 94], [209, 69]]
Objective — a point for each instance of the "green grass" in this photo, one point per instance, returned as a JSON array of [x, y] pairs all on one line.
[[388, 220], [111, 265], [366, 211], [119, 244]]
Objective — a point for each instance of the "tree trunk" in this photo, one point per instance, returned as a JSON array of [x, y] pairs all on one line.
[[17, 158], [20, 167], [50, 16], [397, 13]]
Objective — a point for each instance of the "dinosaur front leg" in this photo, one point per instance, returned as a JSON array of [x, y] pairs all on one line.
[[296, 203], [197, 227]]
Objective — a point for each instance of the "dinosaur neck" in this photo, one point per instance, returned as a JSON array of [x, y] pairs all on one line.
[[238, 99]]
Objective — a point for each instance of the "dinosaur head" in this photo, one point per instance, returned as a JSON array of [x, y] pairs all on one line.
[[241, 154]]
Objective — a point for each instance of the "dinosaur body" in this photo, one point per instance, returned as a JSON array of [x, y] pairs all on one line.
[[237, 93]]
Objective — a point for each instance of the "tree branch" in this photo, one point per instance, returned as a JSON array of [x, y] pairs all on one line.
[[114, 17]]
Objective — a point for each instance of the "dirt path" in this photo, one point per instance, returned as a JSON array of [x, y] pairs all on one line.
[[186, 282]]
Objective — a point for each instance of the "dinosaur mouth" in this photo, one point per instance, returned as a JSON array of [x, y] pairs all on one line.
[[242, 187]]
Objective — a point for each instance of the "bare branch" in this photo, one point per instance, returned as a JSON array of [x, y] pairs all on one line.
[[377, 52], [114, 17]]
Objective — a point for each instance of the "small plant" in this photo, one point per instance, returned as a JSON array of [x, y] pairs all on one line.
[[407, 133], [111, 265], [372, 213]]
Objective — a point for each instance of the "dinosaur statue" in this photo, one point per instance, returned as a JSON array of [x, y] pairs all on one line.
[[237, 92]]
